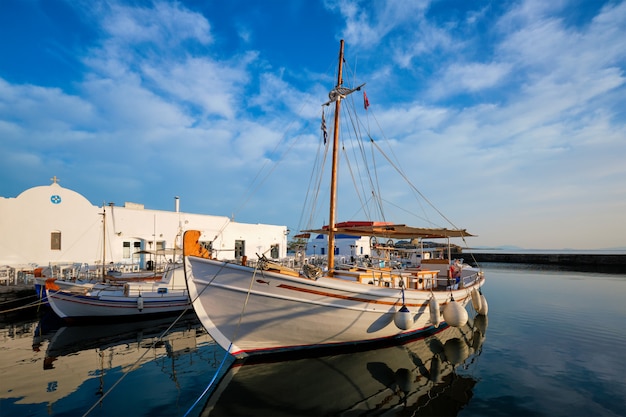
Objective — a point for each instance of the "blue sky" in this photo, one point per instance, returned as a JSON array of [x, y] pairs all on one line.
[[509, 115]]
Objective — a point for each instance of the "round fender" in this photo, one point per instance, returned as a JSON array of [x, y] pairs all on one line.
[[484, 307], [403, 319], [476, 301], [455, 314]]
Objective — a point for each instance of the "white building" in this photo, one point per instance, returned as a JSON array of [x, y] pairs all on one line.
[[53, 225], [345, 246]]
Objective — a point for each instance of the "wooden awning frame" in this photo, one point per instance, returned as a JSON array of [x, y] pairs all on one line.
[[396, 231]]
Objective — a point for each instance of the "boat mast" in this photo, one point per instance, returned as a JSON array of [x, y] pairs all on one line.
[[333, 181], [104, 245]]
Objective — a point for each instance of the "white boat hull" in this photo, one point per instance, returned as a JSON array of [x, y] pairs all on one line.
[[72, 305], [80, 301], [251, 312]]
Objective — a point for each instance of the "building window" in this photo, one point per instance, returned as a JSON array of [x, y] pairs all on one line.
[[130, 250], [55, 240], [274, 252], [208, 245], [136, 248], [240, 248]]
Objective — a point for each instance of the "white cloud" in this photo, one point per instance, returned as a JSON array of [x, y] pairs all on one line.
[[470, 78], [516, 132], [42, 109], [215, 87], [165, 24]]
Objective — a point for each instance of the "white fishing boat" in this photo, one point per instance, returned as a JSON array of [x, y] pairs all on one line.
[[267, 308], [132, 299]]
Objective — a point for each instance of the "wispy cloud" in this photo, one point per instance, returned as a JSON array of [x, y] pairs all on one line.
[[510, 116]]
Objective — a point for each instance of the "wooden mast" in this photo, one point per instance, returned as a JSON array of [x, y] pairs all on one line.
[[333, 181], [104, 243]]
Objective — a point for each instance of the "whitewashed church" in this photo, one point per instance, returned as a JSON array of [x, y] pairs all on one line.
[[51, 225]]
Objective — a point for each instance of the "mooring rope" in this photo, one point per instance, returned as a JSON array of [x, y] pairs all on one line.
[[29, 305], [18, 299], [208, 387], [227, 353], [133, 367]]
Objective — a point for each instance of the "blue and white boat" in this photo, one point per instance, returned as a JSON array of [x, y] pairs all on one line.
[[132, 299]]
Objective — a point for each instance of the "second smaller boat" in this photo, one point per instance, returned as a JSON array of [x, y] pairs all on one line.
[[132, 299]]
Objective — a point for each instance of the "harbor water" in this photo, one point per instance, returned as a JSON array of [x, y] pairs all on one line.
[[552, 345]]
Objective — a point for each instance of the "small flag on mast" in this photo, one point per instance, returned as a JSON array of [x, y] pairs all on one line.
[[324, 127], [366, 102]]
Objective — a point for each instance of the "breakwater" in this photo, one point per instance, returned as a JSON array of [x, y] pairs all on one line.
[[611, 263]]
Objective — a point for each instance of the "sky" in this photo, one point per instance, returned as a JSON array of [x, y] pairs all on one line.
[[509, 116]]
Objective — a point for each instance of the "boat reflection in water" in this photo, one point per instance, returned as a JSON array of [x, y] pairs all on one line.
[[419, 377], [75, 355], [140, 333]]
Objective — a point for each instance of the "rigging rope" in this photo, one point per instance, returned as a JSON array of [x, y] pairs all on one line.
[[374, 186], [403, 175], [315, 197], [250, 191]]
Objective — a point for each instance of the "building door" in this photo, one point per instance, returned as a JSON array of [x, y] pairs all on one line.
[[240, 249]]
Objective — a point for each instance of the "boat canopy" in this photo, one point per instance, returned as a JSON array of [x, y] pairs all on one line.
[[392, 231]]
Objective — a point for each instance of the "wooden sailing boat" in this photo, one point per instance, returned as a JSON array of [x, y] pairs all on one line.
[[270, 309]]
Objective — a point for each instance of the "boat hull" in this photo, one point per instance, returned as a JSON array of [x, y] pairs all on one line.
[[252, 312], [68, 305]]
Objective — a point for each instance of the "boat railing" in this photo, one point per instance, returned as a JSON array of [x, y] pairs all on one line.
[[373, 271], [471, 279], [7, 275], [152, 289], [389, 277]]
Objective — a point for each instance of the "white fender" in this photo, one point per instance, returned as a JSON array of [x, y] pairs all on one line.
[[476, 301], [455, 314], [435, 312], [140, 303], [403, 318], [484, 308]]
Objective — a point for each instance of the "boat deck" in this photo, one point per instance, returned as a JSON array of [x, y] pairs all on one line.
[[418, 279]]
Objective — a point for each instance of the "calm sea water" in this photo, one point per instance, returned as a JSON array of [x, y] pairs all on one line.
[[553, 345]]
